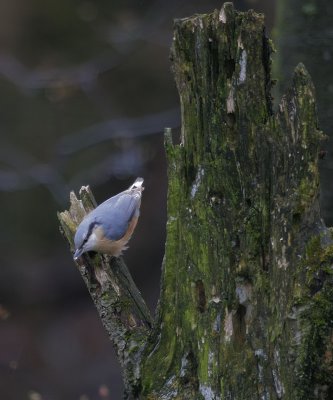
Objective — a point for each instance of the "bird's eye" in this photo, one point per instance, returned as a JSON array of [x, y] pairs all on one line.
[[90, 229]]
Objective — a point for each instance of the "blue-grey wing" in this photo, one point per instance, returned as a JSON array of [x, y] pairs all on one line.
[[116, 213]]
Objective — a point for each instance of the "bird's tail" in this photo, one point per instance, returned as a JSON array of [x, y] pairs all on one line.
[[137, 184]]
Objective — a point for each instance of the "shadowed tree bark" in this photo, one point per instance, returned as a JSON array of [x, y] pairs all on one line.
[[304, 33], [246, 305]]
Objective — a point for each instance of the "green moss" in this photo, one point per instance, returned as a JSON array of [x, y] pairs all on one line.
[[236, 182], [318, 258], [306, 192], [314, 365]]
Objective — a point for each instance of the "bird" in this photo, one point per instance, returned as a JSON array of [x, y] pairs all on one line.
[[108, 228]]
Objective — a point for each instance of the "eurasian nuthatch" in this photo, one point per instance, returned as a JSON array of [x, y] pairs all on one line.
[[109, 227]]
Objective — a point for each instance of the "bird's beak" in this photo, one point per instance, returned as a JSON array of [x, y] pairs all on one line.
[[77, 254]]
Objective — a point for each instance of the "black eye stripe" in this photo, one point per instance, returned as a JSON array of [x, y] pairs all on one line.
[[91, 227]]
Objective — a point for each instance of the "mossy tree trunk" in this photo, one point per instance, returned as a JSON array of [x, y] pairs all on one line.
[[246, 306], [304, 33]]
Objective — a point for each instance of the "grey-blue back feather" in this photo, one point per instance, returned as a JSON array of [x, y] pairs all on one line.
[[115, 214]]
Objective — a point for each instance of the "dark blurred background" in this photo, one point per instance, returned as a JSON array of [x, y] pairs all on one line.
[[85, 92]]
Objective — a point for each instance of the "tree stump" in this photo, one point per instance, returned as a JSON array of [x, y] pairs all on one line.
[[246, 305]]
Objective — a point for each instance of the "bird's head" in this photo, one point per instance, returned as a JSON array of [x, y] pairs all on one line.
[[85, 237]]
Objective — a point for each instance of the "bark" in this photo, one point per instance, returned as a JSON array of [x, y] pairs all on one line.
[[304, 33], [246, 306], [121, 308]]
